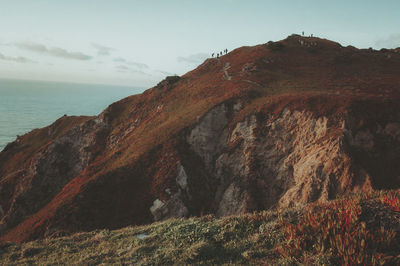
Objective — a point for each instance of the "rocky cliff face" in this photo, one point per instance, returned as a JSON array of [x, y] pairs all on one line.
[[293, 158], [284, 123], [49, 170]]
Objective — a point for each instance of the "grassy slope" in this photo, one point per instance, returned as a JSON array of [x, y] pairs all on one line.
[[256, 238]]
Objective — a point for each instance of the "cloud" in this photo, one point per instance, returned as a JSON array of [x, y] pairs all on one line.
[[51, 51], [131, 63], [392, 41], [125, 69], [103, 50], [164, 72], [193, 59], [121, 67], [18, 59]]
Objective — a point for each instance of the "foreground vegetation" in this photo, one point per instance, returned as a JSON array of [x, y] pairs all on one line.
[[357, 229]]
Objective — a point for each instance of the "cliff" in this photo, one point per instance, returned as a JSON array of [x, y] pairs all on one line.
[[278, 124]]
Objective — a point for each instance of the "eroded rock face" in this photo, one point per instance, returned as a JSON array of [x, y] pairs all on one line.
[[233, 200], [182, 178], [206, 136], [293, 158], [175, 205], [375, 149], [50, 169]]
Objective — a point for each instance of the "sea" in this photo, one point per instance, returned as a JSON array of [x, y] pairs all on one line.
[[26, 105]]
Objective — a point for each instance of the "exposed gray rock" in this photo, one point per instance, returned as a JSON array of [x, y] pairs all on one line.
[[205, 138], [232, 202], [291, 159], [173, 207], [182, 178], [156, 209]]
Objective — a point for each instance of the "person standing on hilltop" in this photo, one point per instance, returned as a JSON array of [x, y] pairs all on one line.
[[212, 55]]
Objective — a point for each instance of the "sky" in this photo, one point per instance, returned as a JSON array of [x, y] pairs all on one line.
[[139, 42]]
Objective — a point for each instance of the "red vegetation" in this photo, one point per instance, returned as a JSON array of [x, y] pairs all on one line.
[[337, 227], [392, 201]]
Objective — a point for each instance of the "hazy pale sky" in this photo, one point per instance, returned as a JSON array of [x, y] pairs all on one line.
[[138, 42]]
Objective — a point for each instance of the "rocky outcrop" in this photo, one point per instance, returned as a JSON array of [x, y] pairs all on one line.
[[207, 136], [293, 158], [51, 169], [290, 159], [167, 83], [175, 205]]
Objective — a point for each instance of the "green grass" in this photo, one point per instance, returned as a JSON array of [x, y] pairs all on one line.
[[251, 239]]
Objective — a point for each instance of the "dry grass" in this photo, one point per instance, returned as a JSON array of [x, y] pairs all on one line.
[[333, 233]]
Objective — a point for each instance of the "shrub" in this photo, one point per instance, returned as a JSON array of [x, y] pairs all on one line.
[[335, 228], [392, 201], [275, 46]]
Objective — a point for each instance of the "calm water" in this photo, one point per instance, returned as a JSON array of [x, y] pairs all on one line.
[[25, 105]]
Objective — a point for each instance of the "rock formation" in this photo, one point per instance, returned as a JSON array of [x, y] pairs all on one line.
[[281, 123]]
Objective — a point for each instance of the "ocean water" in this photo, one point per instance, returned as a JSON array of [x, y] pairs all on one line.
[[26, 105]]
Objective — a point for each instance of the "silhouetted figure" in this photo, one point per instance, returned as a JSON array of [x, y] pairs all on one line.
[[218, 55], [212, 55], [302, 33]]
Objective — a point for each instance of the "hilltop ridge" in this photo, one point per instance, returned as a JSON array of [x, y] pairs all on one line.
[[295, 121]]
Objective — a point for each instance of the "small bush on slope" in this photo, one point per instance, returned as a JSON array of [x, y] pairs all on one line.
[[339, 229]]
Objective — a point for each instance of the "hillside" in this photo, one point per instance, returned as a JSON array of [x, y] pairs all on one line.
[[359, 229], [278, 124]]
